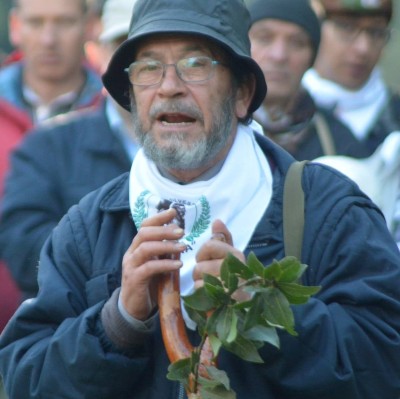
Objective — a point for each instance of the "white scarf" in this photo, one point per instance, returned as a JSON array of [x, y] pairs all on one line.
[[358, 109], [238, 195]]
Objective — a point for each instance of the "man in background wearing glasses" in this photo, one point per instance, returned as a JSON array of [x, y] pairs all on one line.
[[346, 78]]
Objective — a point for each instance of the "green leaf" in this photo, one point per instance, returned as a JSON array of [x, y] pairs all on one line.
[[292, 269], [273, 271], [227, 325], [233, 283], [277, 311], [224, 272], [255, 265], [212, 280], [179, 370], [217, 377], [213, 320], [238, 267], [199, 300], [244, 304], [245, 349], [230, 280], [198, 316], [297, 294], [217, 294], [254, 313], [263, 334], [215, 343], [259, 289]]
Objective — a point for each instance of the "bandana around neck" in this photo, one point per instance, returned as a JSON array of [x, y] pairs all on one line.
[[238, 195], [357, 109]]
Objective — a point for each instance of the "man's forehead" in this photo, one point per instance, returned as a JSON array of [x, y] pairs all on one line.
[[278, 25], [55, 6]]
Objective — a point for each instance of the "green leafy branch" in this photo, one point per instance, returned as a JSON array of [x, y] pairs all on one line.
[[240, 326]]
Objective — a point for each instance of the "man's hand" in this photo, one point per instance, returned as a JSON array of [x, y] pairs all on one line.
[[211, 255], [151, 253]]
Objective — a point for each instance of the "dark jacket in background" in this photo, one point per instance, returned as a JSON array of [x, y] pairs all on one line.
[[52, 170], [305, 129]]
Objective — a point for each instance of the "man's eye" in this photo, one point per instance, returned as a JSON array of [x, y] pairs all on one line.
[[34, 23], [346, 27], [147, 67], [195, 62], [376, 33]]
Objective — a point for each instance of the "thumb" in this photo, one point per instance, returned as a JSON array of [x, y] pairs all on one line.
[[221, 232]]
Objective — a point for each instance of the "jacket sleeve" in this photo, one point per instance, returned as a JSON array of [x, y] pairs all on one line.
[[30, 210], [349, 333], [50, 337]]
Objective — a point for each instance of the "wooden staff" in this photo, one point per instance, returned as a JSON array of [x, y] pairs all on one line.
[[173, 328]]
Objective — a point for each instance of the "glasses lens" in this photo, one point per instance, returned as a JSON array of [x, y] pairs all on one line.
[[195, 69], [145, 72], [349, 32], [378, 35]]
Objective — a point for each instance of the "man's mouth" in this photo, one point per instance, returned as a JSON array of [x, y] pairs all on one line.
[[175, 119]]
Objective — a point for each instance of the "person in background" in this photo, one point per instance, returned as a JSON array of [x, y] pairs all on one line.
[[187, 76], [346, 77], [285, 36], [51, 78], [13, 125], [66, 158], [46, 77]]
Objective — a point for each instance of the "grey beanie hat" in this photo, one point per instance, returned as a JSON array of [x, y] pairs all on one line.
[[224, 22], [298, 12]]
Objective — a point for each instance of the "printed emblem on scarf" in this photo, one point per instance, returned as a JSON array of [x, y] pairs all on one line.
[[194, 218]]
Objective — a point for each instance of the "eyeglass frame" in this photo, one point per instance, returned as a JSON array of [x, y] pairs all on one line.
[[351, 37], [213, 64]]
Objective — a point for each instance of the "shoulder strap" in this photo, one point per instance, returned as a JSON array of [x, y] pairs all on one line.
[[293, 210], [324, 134]]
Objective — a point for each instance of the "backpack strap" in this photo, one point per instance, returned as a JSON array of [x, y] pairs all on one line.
[[293, 210], [324, 134]]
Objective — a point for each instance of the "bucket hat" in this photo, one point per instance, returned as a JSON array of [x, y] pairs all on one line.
[[360, 7], [224, 22]]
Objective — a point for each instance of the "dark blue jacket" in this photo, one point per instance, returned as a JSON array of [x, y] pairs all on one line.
[[349, 334], [52, 170]]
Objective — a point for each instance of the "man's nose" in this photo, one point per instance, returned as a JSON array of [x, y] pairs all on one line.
[[171, 83]]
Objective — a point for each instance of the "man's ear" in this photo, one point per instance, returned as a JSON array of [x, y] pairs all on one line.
[[14, 28], [244, 96]]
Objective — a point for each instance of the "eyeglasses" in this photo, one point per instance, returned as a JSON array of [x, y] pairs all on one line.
[[349, 32], [190, 70]]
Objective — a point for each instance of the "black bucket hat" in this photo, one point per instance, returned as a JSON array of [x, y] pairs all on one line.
[[224, 22]]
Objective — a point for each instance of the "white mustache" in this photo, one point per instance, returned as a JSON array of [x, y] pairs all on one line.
[[175, 108]]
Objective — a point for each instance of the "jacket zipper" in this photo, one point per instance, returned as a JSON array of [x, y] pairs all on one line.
[[181, 391]]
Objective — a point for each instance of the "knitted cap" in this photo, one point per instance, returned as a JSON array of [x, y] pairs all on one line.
[[298, 12]]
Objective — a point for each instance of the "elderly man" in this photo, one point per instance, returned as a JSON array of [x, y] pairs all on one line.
[[284, 37], [186, 74], [346, 78], [51, 78]]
